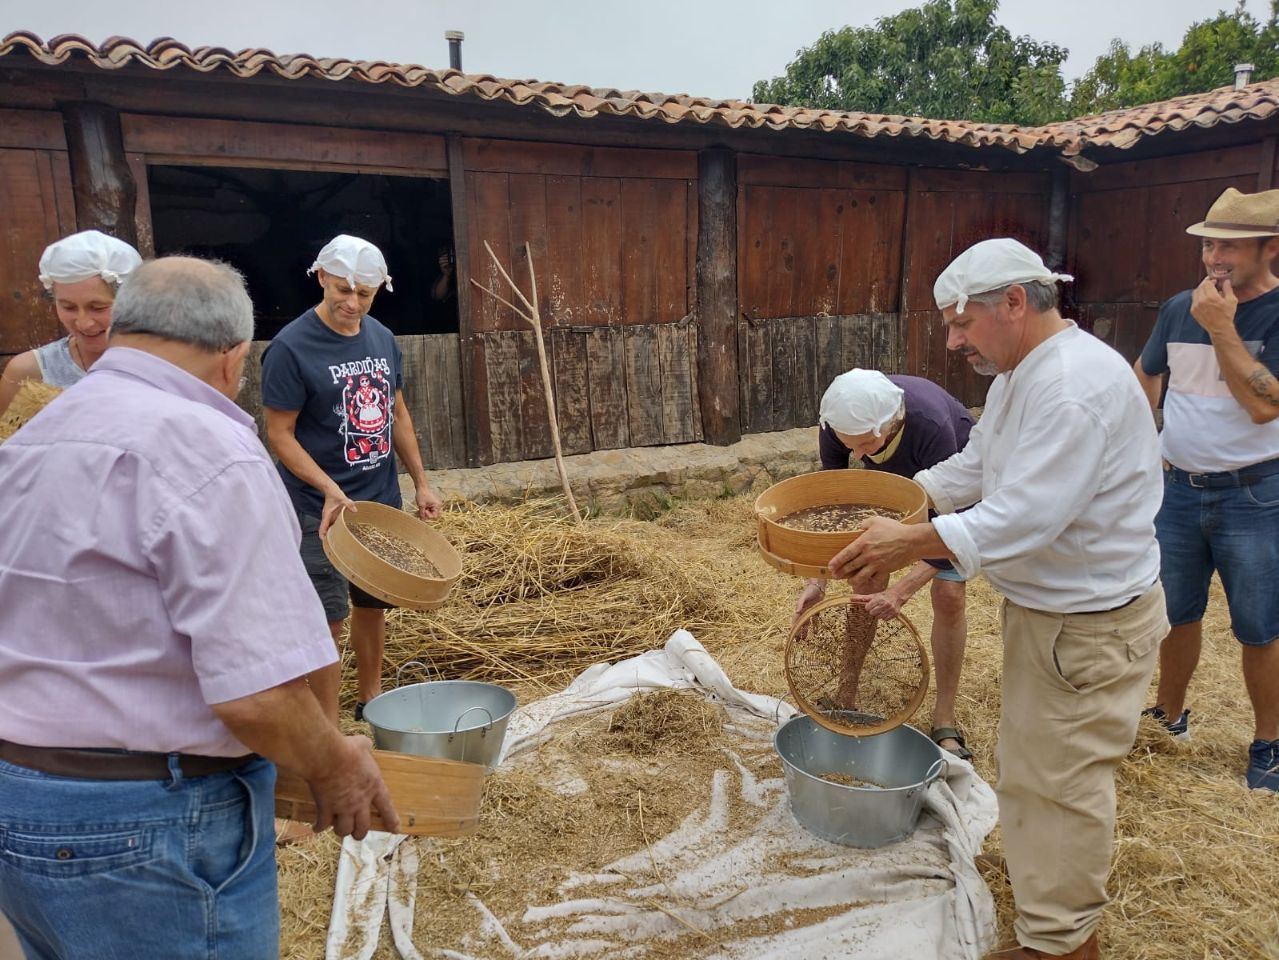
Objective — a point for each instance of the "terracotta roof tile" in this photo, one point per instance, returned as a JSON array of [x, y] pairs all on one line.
[[1119, 129]]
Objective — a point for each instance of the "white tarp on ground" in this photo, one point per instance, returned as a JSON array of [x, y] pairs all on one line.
[[922, 897]]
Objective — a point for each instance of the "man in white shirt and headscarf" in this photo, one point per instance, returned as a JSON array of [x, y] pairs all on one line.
[[336, 419], [1065, 464]]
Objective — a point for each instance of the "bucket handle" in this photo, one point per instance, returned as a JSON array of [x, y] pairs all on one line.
[[416, 663], [940, 768], [484, 732], [777, 709]]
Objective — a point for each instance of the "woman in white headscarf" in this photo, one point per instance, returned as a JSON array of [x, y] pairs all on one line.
[[81, 273]]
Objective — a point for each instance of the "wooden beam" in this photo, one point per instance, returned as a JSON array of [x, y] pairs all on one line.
[[283, 146], [1058, 218], [474, 376], [716, 293], [105, 192], [32, 130], [1266, 172], [908, 364]]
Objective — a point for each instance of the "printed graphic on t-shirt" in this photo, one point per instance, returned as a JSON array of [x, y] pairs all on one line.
[[365, 413]]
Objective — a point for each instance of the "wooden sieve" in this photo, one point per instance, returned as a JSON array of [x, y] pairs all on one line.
[[852, 673]]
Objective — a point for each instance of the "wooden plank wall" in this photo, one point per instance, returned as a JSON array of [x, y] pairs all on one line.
[[36, 197], [819, 265], [1128, 249], [787, 363], [948, 212], [612, 235], [432, 392]]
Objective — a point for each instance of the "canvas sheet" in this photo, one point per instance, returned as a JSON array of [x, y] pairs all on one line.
[[739, 872]]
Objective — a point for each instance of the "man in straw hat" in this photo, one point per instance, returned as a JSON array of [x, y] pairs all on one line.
[[1065, 463], [1219, 345], [155, 646], [902, 425], [336, 419]]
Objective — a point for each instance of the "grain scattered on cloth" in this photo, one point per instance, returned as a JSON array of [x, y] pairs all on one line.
[[680, 842]]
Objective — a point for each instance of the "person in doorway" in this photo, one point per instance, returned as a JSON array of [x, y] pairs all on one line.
[[444, 289], [902, 425], [1065, 464], [1219, 345], [82, 273], [156, 643], [336, 419]]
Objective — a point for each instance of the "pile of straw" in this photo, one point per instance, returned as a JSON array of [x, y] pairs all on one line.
[[1192, 875], [32, 397], [542, 597], [664, 721]]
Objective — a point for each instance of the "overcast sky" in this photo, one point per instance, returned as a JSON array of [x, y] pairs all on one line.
[[714, 48]]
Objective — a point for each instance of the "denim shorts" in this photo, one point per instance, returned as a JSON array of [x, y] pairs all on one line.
[[1234, 531], [126, 869], [332, 587]]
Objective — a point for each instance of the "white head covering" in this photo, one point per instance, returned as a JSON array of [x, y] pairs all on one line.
[[84, 255], [990, 265], [354, 260], [861, 401]]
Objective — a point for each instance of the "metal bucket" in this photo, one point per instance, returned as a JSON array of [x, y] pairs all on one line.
[[903, 762], [450, 719]]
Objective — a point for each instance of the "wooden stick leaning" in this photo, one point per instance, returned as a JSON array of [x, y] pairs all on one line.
[[534, 318]]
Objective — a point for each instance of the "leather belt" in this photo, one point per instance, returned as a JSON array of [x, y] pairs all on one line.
[[1243, 477], [1126, 603], [92, 764]]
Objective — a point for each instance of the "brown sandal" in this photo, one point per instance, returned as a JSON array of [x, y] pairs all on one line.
[[950, 733]]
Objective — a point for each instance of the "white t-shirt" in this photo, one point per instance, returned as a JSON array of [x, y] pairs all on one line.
[[1065, 462]]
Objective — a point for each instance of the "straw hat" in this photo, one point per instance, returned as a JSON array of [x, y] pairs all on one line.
[[1237, 216]]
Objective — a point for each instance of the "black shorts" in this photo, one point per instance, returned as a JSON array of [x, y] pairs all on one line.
[[332, 588]]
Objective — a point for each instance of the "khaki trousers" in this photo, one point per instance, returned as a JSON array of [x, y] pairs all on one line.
[[1073, 689]]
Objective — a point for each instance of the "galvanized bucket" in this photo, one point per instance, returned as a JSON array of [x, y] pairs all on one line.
[[902, 763], [450, 719]]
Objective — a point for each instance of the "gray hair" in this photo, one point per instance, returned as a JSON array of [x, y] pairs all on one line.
[[187, 300], [1041, 296]]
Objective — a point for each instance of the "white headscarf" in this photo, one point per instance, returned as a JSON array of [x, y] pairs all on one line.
[[354, 260], [861, 401], [89, 253], [990, 265]]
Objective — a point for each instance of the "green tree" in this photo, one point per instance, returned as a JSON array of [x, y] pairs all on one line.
[[944, 59], [1205, 60]]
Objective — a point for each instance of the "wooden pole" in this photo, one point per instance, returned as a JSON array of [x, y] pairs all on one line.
[[105, 194], [716, 290], [534, 318]]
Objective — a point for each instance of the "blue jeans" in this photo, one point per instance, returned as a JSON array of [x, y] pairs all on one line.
[[131, 870], [1233, 530]]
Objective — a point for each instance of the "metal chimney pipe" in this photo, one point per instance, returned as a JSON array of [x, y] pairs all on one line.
[[1243, 75], [455, 38]]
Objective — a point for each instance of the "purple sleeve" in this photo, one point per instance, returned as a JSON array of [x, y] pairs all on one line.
[[835, 455], [938, 443]]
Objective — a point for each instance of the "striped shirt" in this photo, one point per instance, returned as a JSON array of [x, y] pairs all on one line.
[[1206, 430]]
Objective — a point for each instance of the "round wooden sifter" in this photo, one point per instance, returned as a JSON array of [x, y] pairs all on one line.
[[852, 673]]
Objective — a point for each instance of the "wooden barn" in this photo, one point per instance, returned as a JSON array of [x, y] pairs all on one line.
[[703, 267]]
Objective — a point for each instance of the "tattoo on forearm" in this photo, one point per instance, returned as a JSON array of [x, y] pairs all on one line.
[[1263, 384]]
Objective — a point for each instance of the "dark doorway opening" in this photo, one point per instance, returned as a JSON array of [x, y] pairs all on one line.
[[270, 224]]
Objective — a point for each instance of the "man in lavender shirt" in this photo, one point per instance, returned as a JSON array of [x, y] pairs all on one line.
[[157, 634]]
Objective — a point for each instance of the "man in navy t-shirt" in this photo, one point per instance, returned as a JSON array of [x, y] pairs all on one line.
[[902, 425], [335, 418], [1219, 345]]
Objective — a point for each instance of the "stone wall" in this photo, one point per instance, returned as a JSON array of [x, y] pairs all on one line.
[[642, 480]]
